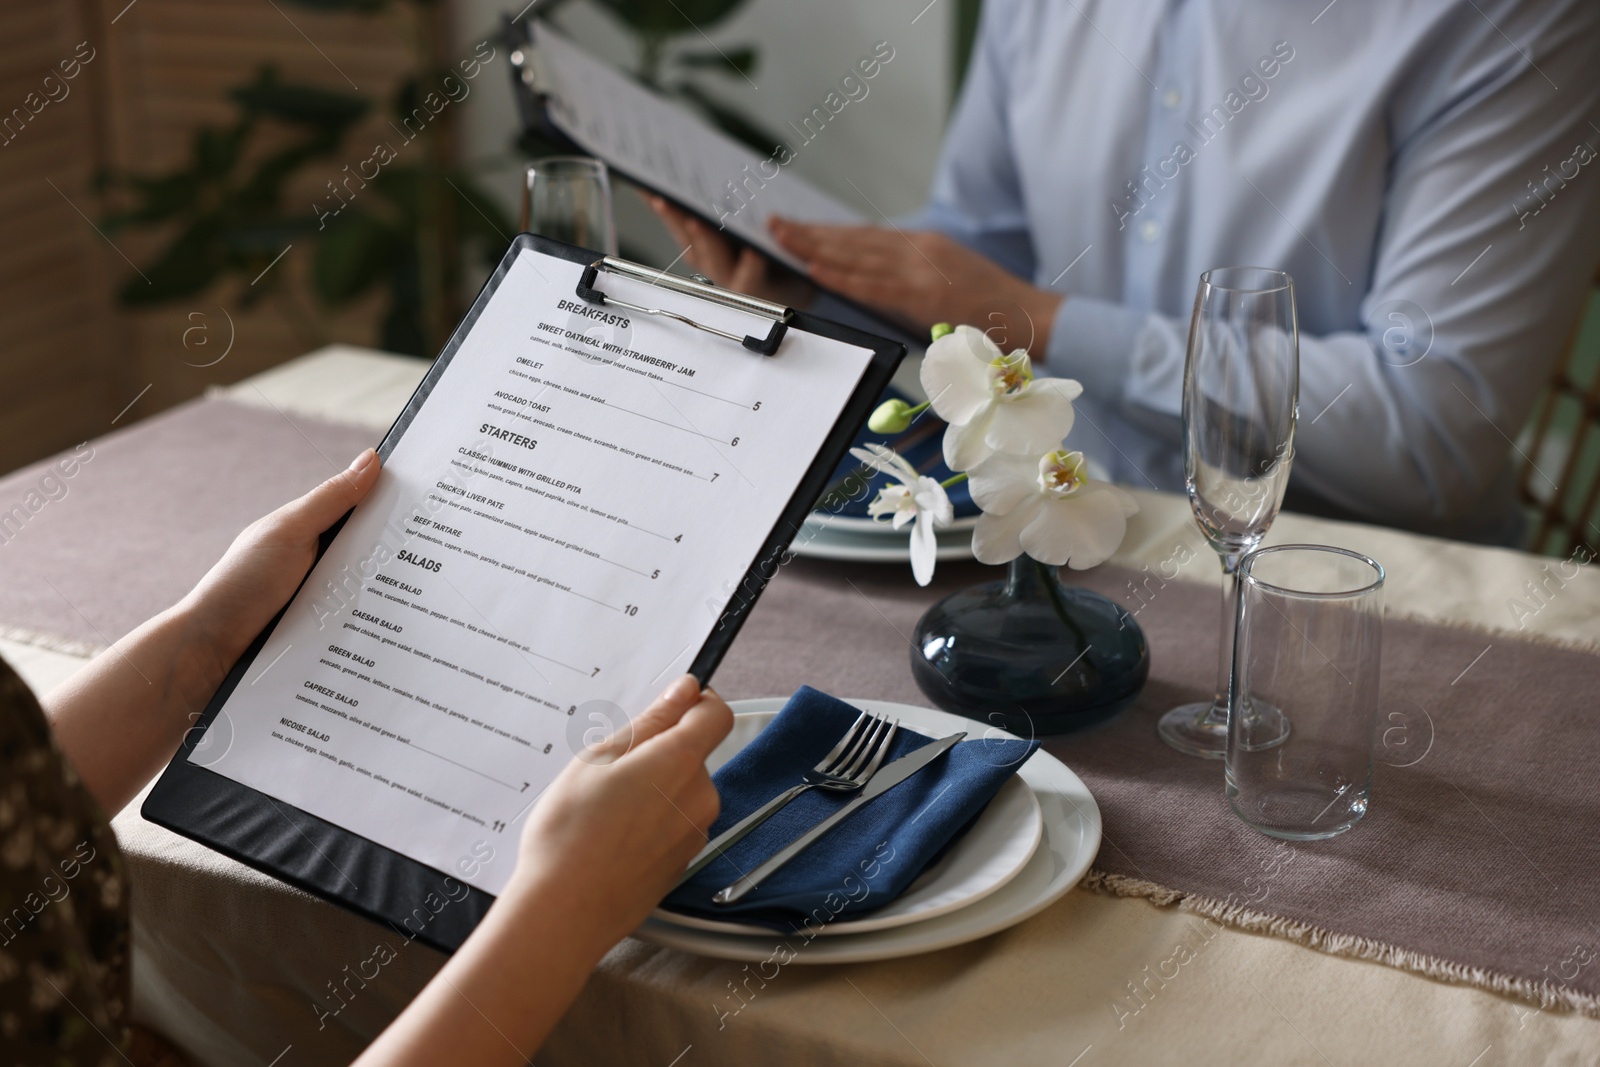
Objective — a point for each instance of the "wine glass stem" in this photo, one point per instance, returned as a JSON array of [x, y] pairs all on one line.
[[1230, 600]]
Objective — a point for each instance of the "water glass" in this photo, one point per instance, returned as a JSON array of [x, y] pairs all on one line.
[[1307, 648], [568, 198]]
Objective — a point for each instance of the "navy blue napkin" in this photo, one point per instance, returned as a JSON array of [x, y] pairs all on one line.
[[873, 855], [923, 447]]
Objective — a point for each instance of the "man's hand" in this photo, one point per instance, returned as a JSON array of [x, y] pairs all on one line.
[[742, 270], [924, 278], [917, 278]]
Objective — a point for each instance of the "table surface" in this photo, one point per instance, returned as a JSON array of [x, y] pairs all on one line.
[[240, 968]]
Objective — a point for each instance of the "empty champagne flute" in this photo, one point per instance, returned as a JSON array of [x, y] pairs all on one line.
[[1241, 386], [568, 198]]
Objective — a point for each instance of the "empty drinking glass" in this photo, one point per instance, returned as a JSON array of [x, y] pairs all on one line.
[[1241, 388], [568, 198], [1307, 649]]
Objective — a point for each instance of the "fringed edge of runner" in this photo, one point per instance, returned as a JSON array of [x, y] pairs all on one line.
[[1543, 995], [50, 642]]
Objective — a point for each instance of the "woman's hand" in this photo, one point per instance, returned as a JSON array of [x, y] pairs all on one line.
[[602, 846], [618, 826], [742, 270], [924, 278], [267, 561], [120, 718]]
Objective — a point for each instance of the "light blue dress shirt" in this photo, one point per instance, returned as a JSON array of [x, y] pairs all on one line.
[[1426, 171]]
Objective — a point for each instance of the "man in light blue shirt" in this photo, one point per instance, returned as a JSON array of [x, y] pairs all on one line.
[[1429, 174]]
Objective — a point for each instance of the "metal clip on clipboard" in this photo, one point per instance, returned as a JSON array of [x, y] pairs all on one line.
[[750, 305]]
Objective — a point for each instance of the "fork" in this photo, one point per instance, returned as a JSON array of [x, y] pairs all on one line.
[[850, 764]]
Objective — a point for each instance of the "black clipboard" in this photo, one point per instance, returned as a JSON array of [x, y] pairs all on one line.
[[414, 900], [533, 112]]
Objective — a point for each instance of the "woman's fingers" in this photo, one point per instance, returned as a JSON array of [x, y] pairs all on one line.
[[702, 727], [692, 720], [666, 710], [671, 749], [321, 508]]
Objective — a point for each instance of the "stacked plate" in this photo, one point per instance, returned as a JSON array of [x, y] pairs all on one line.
[[858, 540], [1033, 842]]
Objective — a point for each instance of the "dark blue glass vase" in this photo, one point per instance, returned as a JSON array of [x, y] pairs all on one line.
[[1029, 654]]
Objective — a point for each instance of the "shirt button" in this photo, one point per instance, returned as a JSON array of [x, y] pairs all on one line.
[[1149, 230], [1171, 98]]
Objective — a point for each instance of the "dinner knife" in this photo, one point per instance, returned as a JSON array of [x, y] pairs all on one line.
[[886, 779]]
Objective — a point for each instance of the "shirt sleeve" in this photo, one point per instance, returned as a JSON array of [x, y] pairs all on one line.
[[1491, 226], [976, 196]]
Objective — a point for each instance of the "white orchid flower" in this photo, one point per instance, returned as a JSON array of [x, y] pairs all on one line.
[[992, 401], [1048, 507], [913, 498]]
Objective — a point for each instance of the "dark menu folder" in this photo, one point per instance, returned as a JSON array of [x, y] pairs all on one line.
[[597, 477]]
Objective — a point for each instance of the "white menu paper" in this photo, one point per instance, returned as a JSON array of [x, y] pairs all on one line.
[[640, 133], [551, 541]]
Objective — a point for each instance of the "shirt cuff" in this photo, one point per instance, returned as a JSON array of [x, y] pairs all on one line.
[[1093, 340]]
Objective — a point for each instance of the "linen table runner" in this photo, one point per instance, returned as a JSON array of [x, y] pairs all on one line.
[[146, 511], [1476, 863]]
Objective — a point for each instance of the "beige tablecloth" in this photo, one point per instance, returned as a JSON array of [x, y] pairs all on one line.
[[228, 962]]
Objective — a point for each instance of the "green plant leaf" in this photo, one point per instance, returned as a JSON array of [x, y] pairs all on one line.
[[256, 242], [352, 256], [261, 194], [216, 151], [741, 60], [408, 97], [190, 263], [480, 217], [401, 330], [363, 6], [401, 188], [159, 199], [306, 105], [670, 17]]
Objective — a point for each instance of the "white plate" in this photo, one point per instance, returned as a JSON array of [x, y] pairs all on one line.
[[1071, 822], [825, 538], [861, 524], [991, 853]]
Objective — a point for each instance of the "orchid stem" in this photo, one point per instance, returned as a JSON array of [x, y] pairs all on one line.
[[1048, 576], [954, 480]]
